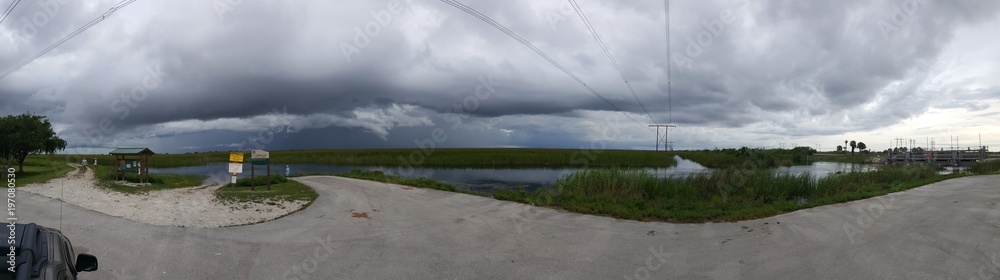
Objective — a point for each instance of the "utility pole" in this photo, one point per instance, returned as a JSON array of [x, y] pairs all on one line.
[[666, 133], [667, 145]]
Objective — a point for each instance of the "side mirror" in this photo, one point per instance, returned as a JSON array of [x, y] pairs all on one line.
[[86, 262]]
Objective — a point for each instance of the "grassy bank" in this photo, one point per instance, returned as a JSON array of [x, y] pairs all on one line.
[[748, 157], [486, 158], [986, 167], [282, 189], [40, 170], [842, 157], [477, 157], [106, 180], [723, 195], [503, 158], [382, 177]]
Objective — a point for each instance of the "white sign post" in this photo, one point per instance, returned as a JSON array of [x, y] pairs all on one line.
[[235, 165], [235, 168], [260, 157]]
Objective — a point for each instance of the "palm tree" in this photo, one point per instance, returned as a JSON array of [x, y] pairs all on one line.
[[853, 146], [862, 146], [845, 146]]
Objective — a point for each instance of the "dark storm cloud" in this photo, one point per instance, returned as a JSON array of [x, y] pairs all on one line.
[[757, 65]]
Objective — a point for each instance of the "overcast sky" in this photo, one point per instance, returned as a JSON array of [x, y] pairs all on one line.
[[196, 75]]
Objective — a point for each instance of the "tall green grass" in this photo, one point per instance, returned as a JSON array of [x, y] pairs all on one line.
[[385, 178], [859, 158], [720, 195], [106, 179], [499, 157], [986, 167], [282, 189], [476, 157], [258, 181], [484, 157], [748, 157]]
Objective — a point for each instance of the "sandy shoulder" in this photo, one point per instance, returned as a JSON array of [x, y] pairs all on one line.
[[187, 207]]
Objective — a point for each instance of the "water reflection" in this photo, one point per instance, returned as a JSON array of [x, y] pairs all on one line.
[[823, 169], [487, 180]]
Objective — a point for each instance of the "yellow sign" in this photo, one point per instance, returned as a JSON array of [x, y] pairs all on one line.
[[236, 157]]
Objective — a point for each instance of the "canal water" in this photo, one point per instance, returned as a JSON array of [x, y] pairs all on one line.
[[485, 180]]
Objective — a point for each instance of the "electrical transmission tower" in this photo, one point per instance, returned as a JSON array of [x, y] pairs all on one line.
[[662, 138]]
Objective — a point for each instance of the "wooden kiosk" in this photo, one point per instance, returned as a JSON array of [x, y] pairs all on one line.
[[132, 160]]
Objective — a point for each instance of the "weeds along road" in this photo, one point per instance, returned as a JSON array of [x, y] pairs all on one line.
[[366, 230]]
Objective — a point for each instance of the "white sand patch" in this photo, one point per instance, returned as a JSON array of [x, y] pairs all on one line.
[[187, 207]]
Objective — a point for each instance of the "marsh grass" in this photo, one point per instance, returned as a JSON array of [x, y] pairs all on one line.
[[382, 177], [748, 157], [483, 158], [492, 157], [282, 189], [720, 195], [106, 179], [859, 158], [259, 181], [986, 167]]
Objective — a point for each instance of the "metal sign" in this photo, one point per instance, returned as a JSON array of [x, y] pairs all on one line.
[[235, 167], [235, 157], [259, 154]]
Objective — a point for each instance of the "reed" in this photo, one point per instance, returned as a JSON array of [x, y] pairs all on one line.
[[986, 167], [485, 158], [385, 178], [720, 195], [282, 189], [105, 175]]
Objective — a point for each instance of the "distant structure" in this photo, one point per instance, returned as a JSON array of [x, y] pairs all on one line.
[[132, 160], [662, 138], [906, 151]]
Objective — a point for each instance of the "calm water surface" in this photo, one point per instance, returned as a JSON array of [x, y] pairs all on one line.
[[485, 180]]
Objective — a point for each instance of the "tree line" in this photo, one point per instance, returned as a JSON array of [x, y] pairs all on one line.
[[23, 135], [854, 145]]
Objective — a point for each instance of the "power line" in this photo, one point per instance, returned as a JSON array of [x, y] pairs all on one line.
[[113, 9], [524, 42], [10, 8], [666, 21], [614, 62]]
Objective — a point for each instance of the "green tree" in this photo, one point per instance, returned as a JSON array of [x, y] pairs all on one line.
[[845, 146], [26, 134], [854, 145], [840, 148], [862, 147]]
